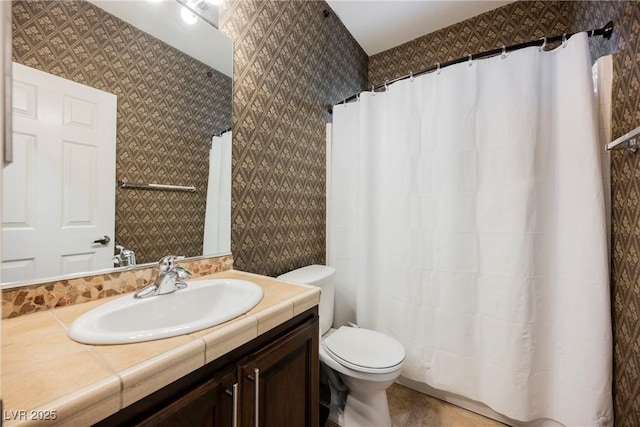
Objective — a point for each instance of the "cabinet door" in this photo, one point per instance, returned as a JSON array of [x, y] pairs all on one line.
[[210, 404], [279, 384]]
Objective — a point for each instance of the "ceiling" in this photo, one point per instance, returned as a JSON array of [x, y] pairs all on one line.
[[379, 25]]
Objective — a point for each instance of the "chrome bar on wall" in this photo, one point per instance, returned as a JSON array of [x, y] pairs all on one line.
[[150, 186], [628, 141]]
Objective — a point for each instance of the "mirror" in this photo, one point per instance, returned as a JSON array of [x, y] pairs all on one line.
[[158, 90]]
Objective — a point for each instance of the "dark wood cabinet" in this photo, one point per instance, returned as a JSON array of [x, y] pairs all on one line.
[[209, 404], [280, 383], [276, 379]]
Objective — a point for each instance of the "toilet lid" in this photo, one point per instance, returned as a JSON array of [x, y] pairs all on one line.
[[364, 350]]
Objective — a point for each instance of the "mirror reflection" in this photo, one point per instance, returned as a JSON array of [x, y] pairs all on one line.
[[100, 99]]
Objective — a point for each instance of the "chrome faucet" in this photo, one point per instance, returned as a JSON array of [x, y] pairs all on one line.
[[124, 258], [167, 281]]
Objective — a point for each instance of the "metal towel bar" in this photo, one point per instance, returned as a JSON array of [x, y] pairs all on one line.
[[628, 141], [149, 186]]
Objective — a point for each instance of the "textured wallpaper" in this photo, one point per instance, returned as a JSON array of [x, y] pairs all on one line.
[[291, 58], [168, 109], [625, 186], [526, 20]]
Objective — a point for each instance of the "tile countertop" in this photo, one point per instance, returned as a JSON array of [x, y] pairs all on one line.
[[46, 374]]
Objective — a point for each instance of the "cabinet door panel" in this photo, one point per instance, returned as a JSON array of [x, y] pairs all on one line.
[[207, 405], [287, 372]]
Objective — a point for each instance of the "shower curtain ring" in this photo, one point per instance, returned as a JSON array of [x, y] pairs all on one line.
[[410, 76], [386, 88], [438, 68], [504, 52], [470, 60], [373, 90], [544, 44], [564, 40]]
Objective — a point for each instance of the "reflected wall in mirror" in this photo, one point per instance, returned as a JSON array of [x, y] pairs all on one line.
[[169, 106]]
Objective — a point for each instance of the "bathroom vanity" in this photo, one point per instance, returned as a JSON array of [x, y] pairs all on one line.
[[260, 368], [226, 392]]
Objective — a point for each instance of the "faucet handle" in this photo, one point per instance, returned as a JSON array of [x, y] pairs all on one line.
[[182, 273], [166, 263]]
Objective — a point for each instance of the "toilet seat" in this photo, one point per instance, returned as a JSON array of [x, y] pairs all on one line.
[[364, 350]]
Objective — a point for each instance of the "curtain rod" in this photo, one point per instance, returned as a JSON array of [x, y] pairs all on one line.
[[605, 32]]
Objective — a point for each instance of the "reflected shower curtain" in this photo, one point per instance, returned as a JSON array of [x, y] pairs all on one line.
[[217, 220], [466, 219]]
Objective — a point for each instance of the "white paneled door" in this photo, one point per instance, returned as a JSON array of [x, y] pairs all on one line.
[[58, 195]]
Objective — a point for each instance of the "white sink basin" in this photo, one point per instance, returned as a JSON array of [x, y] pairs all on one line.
[[204, 303]]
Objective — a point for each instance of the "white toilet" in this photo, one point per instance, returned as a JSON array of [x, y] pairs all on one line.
[[368, 361]]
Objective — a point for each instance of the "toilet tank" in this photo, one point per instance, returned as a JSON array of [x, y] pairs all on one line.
[[322, 277]]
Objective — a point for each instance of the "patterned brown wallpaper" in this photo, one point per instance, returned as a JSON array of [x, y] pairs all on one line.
[[290, 60], [168, 109], [625, 187], [526, 20]]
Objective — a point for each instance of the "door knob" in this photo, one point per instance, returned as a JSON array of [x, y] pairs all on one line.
[[104, 241]]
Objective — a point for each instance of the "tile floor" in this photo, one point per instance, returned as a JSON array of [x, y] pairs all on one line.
[[409, 408]]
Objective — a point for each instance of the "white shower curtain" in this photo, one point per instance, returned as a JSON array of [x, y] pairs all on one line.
[[217, 220], [466, 219]]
